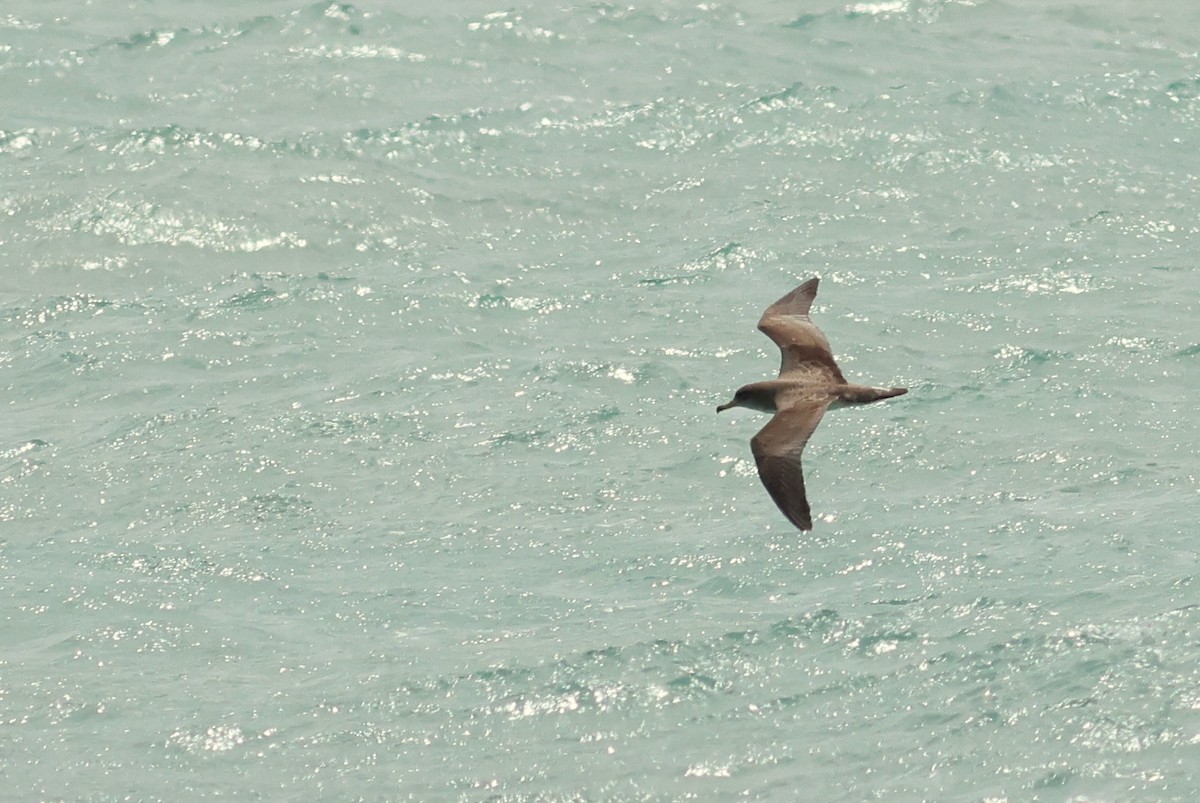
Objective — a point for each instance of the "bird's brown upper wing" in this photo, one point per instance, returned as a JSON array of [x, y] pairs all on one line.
[[803, 346]]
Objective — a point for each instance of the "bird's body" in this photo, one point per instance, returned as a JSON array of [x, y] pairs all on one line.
[[809, 383]]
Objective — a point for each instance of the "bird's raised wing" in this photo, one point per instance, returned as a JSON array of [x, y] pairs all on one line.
[[803, 346], [777, 448]]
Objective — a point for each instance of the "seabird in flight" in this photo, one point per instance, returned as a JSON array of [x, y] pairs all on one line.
[[809, 383]]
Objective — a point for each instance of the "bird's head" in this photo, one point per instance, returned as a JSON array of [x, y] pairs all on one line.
[[755, 397]]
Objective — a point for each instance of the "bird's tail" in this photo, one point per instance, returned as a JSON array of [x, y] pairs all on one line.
[[860, 394]]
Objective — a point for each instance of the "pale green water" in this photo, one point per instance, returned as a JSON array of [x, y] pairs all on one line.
[[359, 377]]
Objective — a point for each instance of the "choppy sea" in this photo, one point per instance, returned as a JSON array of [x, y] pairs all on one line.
[[358, 374]]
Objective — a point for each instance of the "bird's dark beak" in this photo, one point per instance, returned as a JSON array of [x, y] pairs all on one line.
[[721, 407]]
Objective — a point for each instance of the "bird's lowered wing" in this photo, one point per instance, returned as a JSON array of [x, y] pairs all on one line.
[[777, 448]]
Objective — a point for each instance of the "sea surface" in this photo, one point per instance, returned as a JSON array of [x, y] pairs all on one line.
[[359, 366]]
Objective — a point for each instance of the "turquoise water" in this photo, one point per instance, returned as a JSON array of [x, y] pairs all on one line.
[[359, 370]]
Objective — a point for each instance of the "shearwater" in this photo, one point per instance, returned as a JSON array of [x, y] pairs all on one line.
[[809, 383]]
